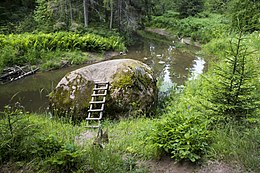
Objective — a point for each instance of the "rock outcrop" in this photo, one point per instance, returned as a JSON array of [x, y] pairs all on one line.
[[132, 89]]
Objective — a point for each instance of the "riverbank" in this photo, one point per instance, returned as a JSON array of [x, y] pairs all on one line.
[[55, 50], [172, 36], [231, 143]]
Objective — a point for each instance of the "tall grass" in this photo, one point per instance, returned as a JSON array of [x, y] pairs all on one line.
[[45, 144], [133, 137], [237, 144]]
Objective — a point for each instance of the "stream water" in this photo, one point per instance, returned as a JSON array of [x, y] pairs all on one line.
[[173, 65]]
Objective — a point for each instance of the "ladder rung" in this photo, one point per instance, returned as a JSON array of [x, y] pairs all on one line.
[[99, 86], [96, 95], [97, 102], [97, 83], [95, 110], [94, 118], [102, 88]]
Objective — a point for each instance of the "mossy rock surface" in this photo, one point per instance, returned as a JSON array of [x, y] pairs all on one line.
[[132, 89]]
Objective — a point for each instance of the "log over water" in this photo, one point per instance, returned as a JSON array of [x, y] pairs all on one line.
[[11, 74]]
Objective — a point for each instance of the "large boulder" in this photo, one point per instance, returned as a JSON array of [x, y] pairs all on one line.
[[132, 89]]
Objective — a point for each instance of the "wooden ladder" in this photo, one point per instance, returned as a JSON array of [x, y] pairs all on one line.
[[97, 104]]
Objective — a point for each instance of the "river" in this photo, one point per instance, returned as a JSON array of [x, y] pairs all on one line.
[[172, 62]]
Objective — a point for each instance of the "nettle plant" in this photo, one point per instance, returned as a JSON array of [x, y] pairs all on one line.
[[183, 133]]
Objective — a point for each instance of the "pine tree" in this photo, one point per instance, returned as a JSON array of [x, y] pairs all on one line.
[[234, 89]]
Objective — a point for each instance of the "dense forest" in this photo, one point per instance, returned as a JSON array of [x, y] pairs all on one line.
[[214, 120]]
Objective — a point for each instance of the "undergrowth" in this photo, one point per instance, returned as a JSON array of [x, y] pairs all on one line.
[[202, 27], [41, 143], [53, 50]]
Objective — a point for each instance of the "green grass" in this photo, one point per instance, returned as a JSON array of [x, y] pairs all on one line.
[[41, 143], [133, 137], [237, 145]]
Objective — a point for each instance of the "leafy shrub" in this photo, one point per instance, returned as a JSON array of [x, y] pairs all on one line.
[[67, 159], [45, 146], [183, 134]]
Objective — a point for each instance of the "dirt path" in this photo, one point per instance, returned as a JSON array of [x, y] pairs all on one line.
[[167, 165]]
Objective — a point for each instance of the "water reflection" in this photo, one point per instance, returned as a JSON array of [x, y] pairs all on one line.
[[197, 68], [167, 81]]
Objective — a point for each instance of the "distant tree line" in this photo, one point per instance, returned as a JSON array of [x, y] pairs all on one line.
[[51, 15], [122, 15]]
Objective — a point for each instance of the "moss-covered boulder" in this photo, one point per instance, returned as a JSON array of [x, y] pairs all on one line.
[[132, 89]]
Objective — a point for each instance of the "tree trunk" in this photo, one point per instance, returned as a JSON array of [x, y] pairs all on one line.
[[86, 12], [119, 3], [66, 14], [111, 15], [71, 15]]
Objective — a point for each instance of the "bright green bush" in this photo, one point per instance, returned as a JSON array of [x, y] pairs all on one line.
[[50, 50], [183, 134], [62, 41], [68, 159], [45, 146], [184, 129]]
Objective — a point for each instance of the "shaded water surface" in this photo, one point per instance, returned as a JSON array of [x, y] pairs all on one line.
[[172, 63]]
